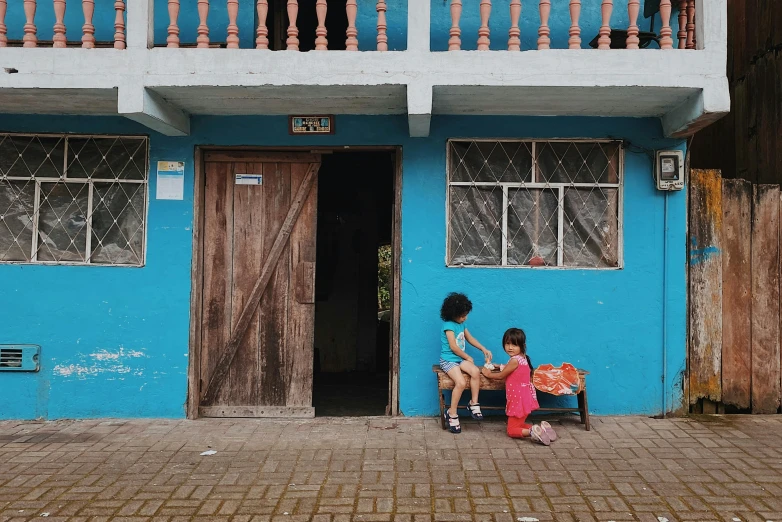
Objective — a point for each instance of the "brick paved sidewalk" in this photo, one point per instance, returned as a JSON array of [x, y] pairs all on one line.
[[379, 469]]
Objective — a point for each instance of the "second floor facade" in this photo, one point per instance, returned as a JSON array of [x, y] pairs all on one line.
[[160, 61]]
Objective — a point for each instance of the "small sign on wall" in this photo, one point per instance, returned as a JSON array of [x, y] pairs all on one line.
[[171, 180], [248, 179], [311, 125]]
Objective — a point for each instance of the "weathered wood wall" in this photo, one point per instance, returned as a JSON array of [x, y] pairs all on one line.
[[736, 292], [734, 347], [705, 360], [745, 143]]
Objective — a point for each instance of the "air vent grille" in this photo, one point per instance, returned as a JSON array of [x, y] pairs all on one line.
[[19, 357]]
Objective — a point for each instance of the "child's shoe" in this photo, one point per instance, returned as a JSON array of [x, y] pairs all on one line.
[[452, 422], [475, 410], [539, 435], [552, 435]]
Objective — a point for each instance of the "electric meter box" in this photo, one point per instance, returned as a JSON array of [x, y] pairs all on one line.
[[669, 169]]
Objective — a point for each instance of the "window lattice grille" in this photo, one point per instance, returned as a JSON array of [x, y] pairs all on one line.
[[73, 199], [534, 203]]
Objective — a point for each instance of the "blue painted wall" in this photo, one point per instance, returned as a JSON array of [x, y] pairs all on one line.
[[366, 23], [115, 340]]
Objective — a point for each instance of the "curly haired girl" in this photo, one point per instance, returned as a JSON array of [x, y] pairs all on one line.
[[454, 359]]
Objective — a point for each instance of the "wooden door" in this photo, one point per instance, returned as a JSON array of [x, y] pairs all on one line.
[[258, 305]]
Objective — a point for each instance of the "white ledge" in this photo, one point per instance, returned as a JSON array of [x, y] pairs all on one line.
[[686, 88]]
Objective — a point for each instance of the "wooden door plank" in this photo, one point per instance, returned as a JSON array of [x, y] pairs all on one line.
[[396, 285], [274, 386], [255, 412], [247, 263], [741, 129], [232, 156], [705, 350], [765, 299], [268, 270], [736, 292], [218, 248], [300, 335], [197, 292]]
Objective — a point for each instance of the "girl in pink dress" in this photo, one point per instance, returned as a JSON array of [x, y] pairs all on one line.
[[520, 394]]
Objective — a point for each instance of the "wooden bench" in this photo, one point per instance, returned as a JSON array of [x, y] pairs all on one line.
[[445, 383]]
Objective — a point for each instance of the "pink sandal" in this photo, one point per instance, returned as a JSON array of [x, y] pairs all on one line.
[[552, 435], [539, 435]]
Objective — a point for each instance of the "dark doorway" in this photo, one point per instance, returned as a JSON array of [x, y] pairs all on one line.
[[352, 284]]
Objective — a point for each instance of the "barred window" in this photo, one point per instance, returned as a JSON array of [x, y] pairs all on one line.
[[534, 203], [68, 199]]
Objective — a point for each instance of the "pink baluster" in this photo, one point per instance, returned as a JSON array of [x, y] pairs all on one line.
[[351, 44], [88, 40], [321, 43], [202, 42], [59, 39], [690, 24], [666, 42], [483, 30], [30, 39], [293, 31], [232, 40], [633, 8], [3, 28], [382, 26], [514, 42], [544, 42], [119, 24], [604, 42], [575, 29], [262, 42], [455, 41], [682, 34], [173, 28]]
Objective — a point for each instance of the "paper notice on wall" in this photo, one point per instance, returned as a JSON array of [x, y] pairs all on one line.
[[171, 180], [249, 179]]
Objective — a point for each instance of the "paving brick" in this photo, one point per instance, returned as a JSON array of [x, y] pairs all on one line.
[[336, 470]]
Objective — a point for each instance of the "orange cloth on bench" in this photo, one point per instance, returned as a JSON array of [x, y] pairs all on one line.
[[556, 380]]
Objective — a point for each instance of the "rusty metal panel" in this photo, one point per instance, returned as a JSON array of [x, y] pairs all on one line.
[[705, 348]]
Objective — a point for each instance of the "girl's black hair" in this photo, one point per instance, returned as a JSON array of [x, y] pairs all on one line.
[[455, 306], [517, 337]]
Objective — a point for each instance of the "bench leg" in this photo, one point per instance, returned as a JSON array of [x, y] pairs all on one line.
[[442, 409], [585, 409]]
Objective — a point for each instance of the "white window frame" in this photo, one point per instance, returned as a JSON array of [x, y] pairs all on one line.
[[535, 185], [64, 179]]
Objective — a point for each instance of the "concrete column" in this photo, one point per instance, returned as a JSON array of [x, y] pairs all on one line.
[[140, 25], [418, 25], [711, 25], [419, 109]]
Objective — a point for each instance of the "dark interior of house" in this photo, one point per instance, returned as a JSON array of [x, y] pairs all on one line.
[[352, 284], [307, 22]]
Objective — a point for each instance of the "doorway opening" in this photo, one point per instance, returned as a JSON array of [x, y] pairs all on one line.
[[354, 284]]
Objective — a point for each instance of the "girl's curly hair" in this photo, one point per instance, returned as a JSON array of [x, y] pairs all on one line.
[[454, 306]]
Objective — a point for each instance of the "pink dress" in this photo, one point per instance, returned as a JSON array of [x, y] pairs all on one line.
[[520, 394]]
